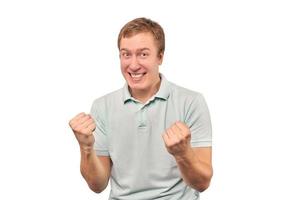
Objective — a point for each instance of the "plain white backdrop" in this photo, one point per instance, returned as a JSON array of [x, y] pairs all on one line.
[[57, 56]]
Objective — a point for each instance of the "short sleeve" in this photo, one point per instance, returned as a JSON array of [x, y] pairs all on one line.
[[198, 120], [100, 134]]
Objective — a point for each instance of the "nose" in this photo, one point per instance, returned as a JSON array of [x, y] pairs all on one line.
[[134, 64]]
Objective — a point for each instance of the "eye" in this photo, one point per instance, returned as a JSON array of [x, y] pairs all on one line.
[[125, 54], [144, 55]]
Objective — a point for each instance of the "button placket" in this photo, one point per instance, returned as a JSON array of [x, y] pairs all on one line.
[[141, 116]]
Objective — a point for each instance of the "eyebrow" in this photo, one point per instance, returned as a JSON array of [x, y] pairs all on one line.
[[142, 49]]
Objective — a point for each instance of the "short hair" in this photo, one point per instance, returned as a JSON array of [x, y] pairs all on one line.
[[143, 25]]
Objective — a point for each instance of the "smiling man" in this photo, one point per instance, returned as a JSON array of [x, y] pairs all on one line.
[[151, 138]]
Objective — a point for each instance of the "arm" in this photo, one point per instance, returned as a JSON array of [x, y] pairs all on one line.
[[196, 168], [194, 163], [95, 169]]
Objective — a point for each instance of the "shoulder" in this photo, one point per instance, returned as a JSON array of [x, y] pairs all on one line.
[[186, 100], [103, 102], [182, 93]]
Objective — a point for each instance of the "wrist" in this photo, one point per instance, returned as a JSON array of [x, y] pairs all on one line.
[[86, 149], [184, 156]]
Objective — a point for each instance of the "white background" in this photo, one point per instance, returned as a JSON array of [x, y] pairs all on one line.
[[57, 56]]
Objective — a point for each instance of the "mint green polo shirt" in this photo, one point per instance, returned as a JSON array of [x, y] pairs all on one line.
[[130, 132]]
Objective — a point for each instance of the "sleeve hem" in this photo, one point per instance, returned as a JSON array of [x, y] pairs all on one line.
[[102, 152], [201, 144]]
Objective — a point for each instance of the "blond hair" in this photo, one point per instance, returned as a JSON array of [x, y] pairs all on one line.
[[143, 25]]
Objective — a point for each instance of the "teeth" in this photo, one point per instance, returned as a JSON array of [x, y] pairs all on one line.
[[136, 75]]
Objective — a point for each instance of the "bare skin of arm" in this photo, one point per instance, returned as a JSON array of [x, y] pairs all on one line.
[[195, 164], [95, 169], [195, 167]]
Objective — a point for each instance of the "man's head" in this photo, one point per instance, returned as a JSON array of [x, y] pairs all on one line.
[[141, 44], [144, 25]]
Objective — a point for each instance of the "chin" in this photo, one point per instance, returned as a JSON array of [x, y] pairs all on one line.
[[136, 86]]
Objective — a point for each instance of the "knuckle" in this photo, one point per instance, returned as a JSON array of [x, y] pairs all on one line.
[[83, 118], [73, 126], [71, 122]]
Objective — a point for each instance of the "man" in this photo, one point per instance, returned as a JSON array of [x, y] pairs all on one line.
[[151, 138]]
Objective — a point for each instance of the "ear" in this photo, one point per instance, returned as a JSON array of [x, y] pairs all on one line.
[[161, 57]]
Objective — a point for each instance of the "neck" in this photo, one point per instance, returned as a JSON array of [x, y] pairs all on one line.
[[144, 95]]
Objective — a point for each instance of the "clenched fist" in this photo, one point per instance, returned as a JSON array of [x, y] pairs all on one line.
[[177, 139], [83, 126]]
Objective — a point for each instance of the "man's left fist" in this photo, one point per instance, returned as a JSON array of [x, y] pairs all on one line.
[[177, 139]]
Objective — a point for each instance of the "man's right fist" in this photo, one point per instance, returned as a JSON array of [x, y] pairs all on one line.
[[83, 126]]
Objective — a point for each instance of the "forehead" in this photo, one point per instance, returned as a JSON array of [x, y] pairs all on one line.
[[138, 41]]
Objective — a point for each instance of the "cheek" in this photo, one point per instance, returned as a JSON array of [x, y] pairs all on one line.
[[123, 65], [146, 63], [152, 66]]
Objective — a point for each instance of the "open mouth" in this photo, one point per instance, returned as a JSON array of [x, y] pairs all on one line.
[[136, 76]]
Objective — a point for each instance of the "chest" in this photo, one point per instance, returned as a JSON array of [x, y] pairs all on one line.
[[135, 135]]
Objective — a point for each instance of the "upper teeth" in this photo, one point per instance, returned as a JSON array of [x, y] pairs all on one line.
[[136, 75]]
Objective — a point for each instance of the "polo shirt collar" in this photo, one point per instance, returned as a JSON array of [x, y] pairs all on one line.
[[163, 92]]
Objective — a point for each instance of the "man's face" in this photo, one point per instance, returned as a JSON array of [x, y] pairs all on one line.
[[140, 61]]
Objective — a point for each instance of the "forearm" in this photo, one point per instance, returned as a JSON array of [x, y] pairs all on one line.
[[93, 171], [195, 173]]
